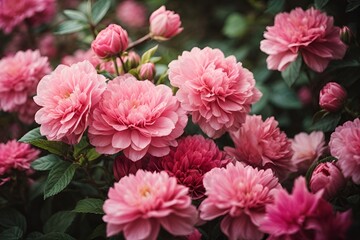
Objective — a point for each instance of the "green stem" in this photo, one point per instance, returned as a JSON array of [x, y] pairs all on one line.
[[123, 64], [139, 41], [351, 113], [116, 66]]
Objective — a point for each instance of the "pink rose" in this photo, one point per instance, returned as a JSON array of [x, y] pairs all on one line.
[[164, 24], [110, 41], [332, 97], [327, 176]]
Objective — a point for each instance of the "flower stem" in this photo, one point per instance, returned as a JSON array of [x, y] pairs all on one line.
[[123, 64], [116, 66], [139, 41]]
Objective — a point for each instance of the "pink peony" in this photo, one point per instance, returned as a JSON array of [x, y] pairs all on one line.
[[327, 176], [13, 13], [131, 13], [26, 112], [307, 149], [164, 24], [332, 97], [47, 45], [136, 117], [240, 194], [66, 97], [345, 145], [303, 215], [193, 157], [110, 41], [262, 144], [19, 76], [310, 33], [217, 91], [140, 204], [16, 156]]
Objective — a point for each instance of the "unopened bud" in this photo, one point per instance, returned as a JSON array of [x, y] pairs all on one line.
[[147, 71]]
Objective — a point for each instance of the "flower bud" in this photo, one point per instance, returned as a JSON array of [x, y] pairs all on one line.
[[332, 97], [132, 60], [147, 71], [327, 176], [346, 35], [304, 94], [164, 24], [110, 41]]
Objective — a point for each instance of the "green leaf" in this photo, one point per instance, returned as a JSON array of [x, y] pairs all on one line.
[[59, 177], [292, 72], [235, 25], [352, 5], [56, 236], [99, 232], [34, 236], [99, 10], [92, 154], [284, 97], [12, 233], [148, 54], [59, 222], [75, 15], [275, 6], [70, 26], [80, 147], [45, 163], [327, 123], [31, 135], [89, 205], [320, 4], [12, 218], [58, 148]]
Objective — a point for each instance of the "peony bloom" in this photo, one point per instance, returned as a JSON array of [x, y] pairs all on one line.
[[307, 149], [47, 45], [217, 91], [16, 156], [327, 176], [13, 13], [345, 145], [303, 215], [131, 13], [262, 144], [196, 235], [310, 33], [26, 112], [147, 71], [140, 204], [240, 194], [136, 117], [123, 166], [189, 161], [66, 97], [332, 97], [19, 76], [80, 56], [110, 41], [164, 24]]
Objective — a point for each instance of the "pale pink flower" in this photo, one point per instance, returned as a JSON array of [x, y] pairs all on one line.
[[131, 13], [189, 161], [26, 112], [310, 33], [307, 149], [262, 144], [16, 156], [240, 194], [217, 91], [13, 13], [345, 145], [47, 45], [164, 24], [66, 97], [332, 97], [110, 41], [327, 176], [19, 76], [140, 204], [136, 117], [303, 215]]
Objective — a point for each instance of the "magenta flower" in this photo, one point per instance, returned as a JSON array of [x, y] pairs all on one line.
[[262, 144], [131, 13], [189, 161], [217, 91], [345, 145], [19, 76], [110, 41], [164, 24], [240, 194], [16, 156], [140, 204], [307, 149], [303, 215], [332, 97], [310, 33], [66, 97], [327, 176], [136, 117], [123, 166]]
